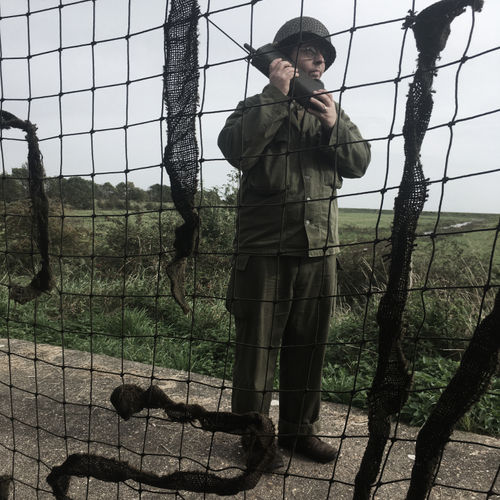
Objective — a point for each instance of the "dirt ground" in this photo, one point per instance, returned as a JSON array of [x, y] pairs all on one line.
[[55, 402]]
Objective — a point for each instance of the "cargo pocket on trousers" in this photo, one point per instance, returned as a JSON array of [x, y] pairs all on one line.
[[233, 305]]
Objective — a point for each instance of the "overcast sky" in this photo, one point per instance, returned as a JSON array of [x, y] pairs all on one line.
[[62, 103]]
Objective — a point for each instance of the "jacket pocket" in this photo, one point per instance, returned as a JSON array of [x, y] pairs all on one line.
[[269, 175]]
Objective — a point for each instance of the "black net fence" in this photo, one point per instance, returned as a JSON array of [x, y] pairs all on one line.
[[120, 263]]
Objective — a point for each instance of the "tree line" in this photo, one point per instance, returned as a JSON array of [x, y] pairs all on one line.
[[81, 193]]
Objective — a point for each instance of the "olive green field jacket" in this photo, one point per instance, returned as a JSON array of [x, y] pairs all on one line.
[[291, 169]]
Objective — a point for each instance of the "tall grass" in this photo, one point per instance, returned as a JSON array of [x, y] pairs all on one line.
[[112, 296]]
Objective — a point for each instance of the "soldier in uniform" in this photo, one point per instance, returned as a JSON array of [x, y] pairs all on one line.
[[292, 162]]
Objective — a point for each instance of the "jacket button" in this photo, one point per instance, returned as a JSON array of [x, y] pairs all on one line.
[[308, 222]]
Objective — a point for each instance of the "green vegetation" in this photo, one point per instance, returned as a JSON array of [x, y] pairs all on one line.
[[112, 294], [82, 193]]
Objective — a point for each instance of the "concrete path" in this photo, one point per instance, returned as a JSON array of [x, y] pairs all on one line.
[[54, 403]]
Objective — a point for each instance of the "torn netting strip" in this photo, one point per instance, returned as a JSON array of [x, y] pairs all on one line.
[[479, 363], [129, 399], [42, 281], [180, 94], [392, 380]]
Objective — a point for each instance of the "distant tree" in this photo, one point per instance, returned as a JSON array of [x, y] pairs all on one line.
[[53, 188], [129, 191], [121, 190], [159, 192], [136, 193], [230, 189], [211, 197], [14, 186], [77, 192], [105, 191]]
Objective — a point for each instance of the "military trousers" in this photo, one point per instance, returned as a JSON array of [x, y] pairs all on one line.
[[282, 308]]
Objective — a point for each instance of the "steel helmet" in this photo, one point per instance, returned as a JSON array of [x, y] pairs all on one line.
[[302, 29]]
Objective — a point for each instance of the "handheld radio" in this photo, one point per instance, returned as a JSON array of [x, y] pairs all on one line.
[[301, 87]]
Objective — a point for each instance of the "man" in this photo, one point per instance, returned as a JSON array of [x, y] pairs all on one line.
[[283, 280]]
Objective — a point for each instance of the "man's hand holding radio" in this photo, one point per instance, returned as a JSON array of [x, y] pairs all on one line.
[[323, 107], [281, 73]]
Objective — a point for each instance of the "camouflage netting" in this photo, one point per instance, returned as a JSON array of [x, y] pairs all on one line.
[[180, 93], [479, 364], [392, 380], [5, 483], [42, 281], [181, 162], [131, 399]]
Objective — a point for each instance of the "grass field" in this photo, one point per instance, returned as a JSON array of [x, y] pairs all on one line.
[[112, 296], [473, 233]]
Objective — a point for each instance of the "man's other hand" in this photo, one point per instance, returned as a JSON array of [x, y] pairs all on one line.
[[323, 107]]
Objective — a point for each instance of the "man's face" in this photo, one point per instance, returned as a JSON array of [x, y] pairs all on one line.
[[309, 59]]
